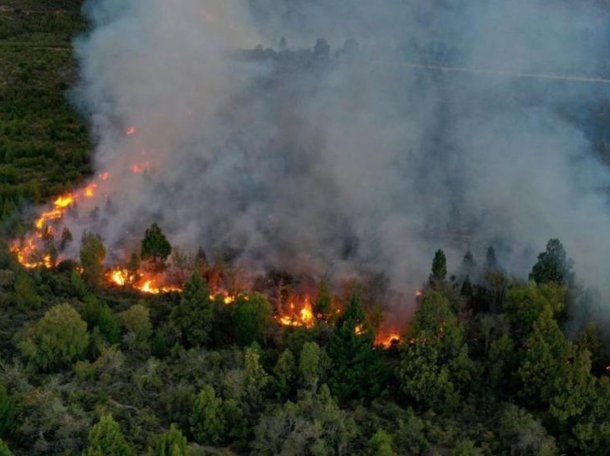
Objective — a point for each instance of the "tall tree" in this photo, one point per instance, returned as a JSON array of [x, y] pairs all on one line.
[[358, 371], [155, 246], [92, 256], [439, 267], [553, 265], [434, 360], [207, 424], [251, 317], [194, 316]]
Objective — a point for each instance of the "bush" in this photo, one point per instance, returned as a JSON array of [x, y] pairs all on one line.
[[58, 338]]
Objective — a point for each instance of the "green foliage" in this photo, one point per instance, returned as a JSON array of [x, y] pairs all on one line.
[[523, 307], [207, 423], [78, 284], [434, 360], [256, 379], [466, 448], [194, 316], [520, 433], [26, 296], [136, 319], [59, 338], [251, 318], [314, 425], [284, 373], [92, 256], [98, 315], [7, 411], [310, 365], [170, 443], [4, 449], [155, 245], [106, 439], [546, 351], [439, 267], [553, 265], [357, 368], [381, 444]]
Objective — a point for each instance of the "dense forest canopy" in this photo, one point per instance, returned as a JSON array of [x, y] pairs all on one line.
[[133, 344]]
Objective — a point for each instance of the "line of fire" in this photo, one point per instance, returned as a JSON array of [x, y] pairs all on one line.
[[294, 304]]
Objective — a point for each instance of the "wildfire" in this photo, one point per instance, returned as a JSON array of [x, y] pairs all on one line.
[[225, 296], [387, 340], [150, 285], [298, 314]]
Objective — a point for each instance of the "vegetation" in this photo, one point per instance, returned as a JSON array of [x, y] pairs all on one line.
[[489, 364]]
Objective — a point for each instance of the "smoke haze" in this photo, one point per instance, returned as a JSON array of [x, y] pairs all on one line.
[[348, 160]]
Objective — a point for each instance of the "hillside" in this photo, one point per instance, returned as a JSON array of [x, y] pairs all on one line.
[[44, 146]]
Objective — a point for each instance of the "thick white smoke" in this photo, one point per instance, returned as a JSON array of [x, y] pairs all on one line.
[[350, 160]]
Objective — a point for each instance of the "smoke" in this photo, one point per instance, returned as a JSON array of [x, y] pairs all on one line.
[[355, 158]]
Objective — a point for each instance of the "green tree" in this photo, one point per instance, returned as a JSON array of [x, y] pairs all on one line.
[[207, 424], [106, 439], [541, 364], [309, 365], [58, 338], [256, 379], [439, 267], [92, 256], [170, 443], [194, 316], [434, 361], [357, 368], [7, 411], [136, 319], [553, 265], [26, 296], [314, 425], [284, 373], [381, 444], [155, 245], [519, 433], [98, 315], [251, 318], [78, 284], [523, 306]]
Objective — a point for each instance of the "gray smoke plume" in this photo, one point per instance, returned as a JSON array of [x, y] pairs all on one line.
[[358, 154]]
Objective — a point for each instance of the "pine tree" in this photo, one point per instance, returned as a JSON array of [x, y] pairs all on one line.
[[106, 439], [207, 424], [553, 265], [194, 316], [170, 443], [92, 256], [155, 246], [357, 371], [439, 267]]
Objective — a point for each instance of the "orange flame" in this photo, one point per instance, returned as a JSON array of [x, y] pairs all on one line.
[[298, 315], [387, 340]]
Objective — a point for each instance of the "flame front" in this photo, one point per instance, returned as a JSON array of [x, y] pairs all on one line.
[[298, 314]]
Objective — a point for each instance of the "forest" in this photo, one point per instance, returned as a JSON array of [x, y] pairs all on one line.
[[96, 363]]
